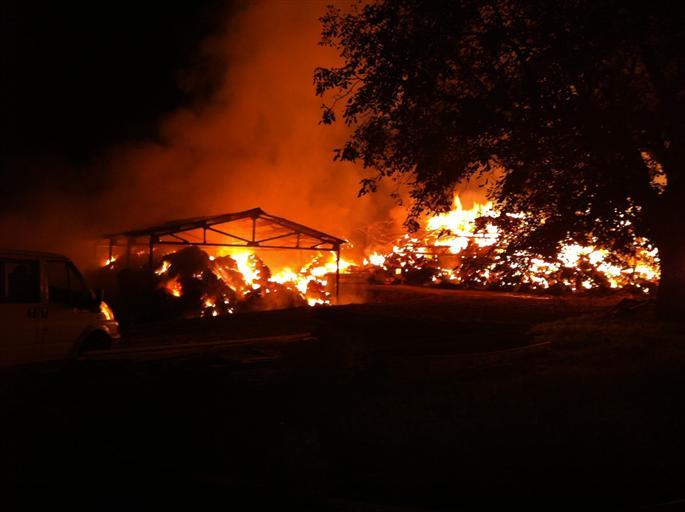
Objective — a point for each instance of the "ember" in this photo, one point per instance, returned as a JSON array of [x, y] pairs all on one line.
[[227, 275], [213, 285], [466, 247]]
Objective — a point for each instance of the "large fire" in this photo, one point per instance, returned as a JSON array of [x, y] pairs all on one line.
[[465, 247], [230, 280]]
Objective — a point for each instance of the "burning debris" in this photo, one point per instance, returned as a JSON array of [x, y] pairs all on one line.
[[213, 285], [227, 276], [467, 247]]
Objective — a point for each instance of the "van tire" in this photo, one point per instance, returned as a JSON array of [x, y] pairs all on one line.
[[95, 341]]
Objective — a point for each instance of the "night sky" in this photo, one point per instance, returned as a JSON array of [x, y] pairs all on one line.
[[79, 77]]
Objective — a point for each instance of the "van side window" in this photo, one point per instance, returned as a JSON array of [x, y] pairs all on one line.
[[58, 282], [21, 282], [80, 294], [65, 284]]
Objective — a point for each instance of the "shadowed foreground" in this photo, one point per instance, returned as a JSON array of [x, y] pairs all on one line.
[[395, 406]]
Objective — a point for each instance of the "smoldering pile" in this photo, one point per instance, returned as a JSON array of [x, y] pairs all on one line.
[[204, 285]]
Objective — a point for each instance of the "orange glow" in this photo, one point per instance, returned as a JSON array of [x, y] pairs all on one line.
[[106, 311], [457, 235], [173, 287], [463, 246], [460, 226], [242, 274], [164, 268], [109, 261]]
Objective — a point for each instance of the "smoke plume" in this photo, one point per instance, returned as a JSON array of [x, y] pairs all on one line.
[[256, 142]]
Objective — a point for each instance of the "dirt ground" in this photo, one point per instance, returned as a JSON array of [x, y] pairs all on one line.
[[417, 400]]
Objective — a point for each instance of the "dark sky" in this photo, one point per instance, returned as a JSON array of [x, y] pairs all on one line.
[[77, 77]]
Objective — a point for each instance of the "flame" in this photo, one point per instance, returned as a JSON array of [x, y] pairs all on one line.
[[247, 266], [164, 268], [109, 261], [173, 287], [456, 228], [463, 246], [478, 246], [241, 275], [318, 269], [377, 259]]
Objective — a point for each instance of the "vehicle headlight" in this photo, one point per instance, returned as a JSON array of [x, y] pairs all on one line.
[[106, 311]]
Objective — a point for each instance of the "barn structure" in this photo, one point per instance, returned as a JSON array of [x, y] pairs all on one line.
[[255, 229]]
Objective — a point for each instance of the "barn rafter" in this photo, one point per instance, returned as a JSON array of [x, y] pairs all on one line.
[[252, 228]]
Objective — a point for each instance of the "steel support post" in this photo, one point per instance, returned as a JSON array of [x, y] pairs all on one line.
[[337, 276]]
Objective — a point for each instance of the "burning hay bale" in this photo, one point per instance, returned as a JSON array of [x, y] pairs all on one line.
[[228, 277], [462, 248], [211, 286], [193, 283]]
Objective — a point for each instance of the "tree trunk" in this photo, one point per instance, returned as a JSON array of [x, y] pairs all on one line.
[[671, 292], [670, 239]]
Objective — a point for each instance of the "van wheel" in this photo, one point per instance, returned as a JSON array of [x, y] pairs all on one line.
[[96, 341]]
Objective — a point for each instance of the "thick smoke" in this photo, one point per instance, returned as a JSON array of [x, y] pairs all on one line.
[[256, 142]]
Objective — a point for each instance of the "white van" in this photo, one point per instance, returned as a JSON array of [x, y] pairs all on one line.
[[47, 311]]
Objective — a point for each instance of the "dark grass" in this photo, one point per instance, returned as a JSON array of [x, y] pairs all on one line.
[[389, 410]]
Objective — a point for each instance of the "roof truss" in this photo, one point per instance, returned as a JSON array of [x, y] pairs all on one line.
[[250, 228]]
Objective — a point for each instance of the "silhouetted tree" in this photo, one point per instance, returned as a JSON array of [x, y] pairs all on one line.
[[578, 104]]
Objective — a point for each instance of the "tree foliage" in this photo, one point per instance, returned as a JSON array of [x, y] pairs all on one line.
[[577, 103]]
